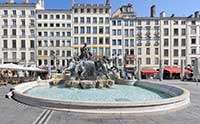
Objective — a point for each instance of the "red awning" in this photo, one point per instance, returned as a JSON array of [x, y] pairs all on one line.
[[149, 71], [176, 70]]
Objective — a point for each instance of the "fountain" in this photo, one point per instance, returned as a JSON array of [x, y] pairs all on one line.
[[89, 86], [85, 72]]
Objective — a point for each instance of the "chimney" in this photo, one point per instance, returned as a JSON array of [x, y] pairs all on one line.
[[153, 11], [196, 14], [107, 2], [10, 1], [162, 14], [26, 1]]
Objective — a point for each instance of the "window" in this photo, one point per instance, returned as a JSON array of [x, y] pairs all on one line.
[[88, 10], [119, 32], [176, 32], [139, 22], [88, 30], [101, 20], [114, 23], [183, 42], [126, 22], [131, 42], [131, 22], [14, 32], [94, 10], [5, 32], [183, 32], [40, 43], [107, 40], [57, 16], [166, 52], [94, 20], [113, 32], [88, 20], [119, 42], [132, 32], [175, 52], [101, 30], [32, 13], [82, 10], [107, 51], [82, 40], [175, 22], [14, 55], [114, 42], [148, 60], [5, 55], [175, 62], [39, 16], [126, 43], [94, 40], [147, 51], [101, 40], [156, 60], [126, 32], [23, 13], [182, 22], [193, 51], [101, 11], [107, 20], [156, 22], [175, 42], [88, 40], [5, 44], [75, 30], [193, 30], [165, 22], [5, 23], [23, 56], [57, 43], [193, 22], [94, 30], [14, 44], [82, 31], [68, 17], [45, 16], [139, 51], [14, 12], [82, 20], [75, 19], [23, 44], [148, 22], [156, 51], [75, 10], [166, 62], [166, 42], [75, 40], [101, 51], [94, 51], [45, 43], [166, 31], [193, 41], [183, 52], [107, 30]]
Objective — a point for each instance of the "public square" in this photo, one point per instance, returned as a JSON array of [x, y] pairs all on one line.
[[13, 112]]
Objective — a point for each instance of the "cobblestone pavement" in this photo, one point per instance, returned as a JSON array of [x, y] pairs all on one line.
[[13, 112]]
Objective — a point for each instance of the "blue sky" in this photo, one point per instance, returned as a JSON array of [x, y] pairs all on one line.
[[142, 7]]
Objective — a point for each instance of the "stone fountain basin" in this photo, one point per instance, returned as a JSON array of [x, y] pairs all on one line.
[[180, 99]]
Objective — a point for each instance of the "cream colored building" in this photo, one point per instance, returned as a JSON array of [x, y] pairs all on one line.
[[173, 40], [91, 25], [138, 37], [17, 33], [53, 37]]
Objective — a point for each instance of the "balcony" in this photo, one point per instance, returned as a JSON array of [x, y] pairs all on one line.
[[22, 26], [22, 16], [139, 44], [148, 44], [13, 26], [31, 36], [9, 60], [31, 26], [22, 36], [5, 26], [5, 36]]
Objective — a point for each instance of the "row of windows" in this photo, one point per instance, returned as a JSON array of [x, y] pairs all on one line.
[[22, 12], [127, 42], [14, 23], [96, 51], [90, 11], [52, 43], [148, 51], [175, 62], [57, 53], [15, 57], [93, 30], [175, 22], [52, 34], [57, 16], [149, 60], [22, 32], [131, 22], [52, 62], [176, 42], [175, 52], [94, 20], [14, 44], [92, 40], [176, 32], [52, 25]]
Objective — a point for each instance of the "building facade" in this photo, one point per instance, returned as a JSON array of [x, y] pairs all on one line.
[[31, 34]]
